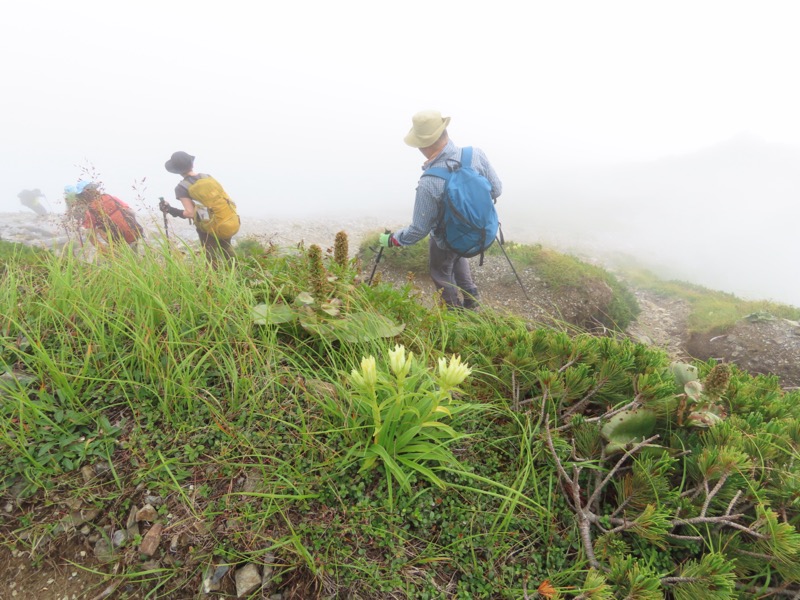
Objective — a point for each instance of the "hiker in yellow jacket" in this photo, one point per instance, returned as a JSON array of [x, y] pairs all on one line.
[[206, 203]]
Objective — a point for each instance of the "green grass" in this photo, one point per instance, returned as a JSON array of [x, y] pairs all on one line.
[[558, 271], [246, 399], [20, 254], [712, 311]]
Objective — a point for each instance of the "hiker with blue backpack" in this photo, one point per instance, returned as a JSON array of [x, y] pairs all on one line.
[[454, 204]]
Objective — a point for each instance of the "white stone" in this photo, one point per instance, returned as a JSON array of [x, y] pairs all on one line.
[[247, 580]]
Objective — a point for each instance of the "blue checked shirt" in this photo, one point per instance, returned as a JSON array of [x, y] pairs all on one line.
[[430, 192]]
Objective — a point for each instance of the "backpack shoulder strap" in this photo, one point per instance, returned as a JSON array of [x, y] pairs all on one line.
[[439, 172], [466, 157], [443, 173]]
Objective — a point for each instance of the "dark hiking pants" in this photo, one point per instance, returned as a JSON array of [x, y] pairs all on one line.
[[451, 274], [216, 248]]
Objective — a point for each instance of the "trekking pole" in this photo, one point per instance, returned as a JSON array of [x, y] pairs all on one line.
[[162, 202], [377, 260], [500, 243]]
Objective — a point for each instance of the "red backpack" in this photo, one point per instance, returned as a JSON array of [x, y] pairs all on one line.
[[112, 215]]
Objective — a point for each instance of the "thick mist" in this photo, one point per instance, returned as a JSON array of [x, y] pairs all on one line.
[[614, 126], [724, 217]]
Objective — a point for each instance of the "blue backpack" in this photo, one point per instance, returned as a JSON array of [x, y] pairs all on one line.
[[469, 219]]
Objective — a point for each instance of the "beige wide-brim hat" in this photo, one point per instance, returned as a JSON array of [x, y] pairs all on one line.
[[427, 127]]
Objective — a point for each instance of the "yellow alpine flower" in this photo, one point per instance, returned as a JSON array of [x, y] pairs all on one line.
[[368, 376], [399, 362], [452, 374]]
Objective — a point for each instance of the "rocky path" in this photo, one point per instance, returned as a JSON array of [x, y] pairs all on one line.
[[662, 323]]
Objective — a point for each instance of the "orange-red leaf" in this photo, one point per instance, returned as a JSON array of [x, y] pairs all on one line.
[[546, 590]]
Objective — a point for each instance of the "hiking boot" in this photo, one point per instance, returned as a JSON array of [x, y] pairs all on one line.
[[471, 300]]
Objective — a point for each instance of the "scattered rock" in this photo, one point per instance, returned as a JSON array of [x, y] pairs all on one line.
[[151, 540], [146, 513], [131, 525], [118, 538], [102, 550], [247, 580], [88, 473], [153, 500], [74, 519], [213, 578], [662, 322], [178, 540], [103, 469]]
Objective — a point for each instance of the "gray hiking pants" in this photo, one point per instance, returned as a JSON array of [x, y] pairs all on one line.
[[451, 273]]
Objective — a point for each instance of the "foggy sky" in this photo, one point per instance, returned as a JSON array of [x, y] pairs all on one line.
[[300, 108]]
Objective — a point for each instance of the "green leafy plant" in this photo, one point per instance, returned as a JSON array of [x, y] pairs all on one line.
[[400, 416], [628, 427], [700, 403], [280, 444], [326, 319]]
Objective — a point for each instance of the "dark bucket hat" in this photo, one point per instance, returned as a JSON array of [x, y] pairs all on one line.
[[179, 163]]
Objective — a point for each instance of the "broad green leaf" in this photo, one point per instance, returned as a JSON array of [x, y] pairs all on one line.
[[304, 298], [331, 308], [272, 314], [363, 327], [443, 409], [684, 373], [693, 389], [629, 426], [441, 426]]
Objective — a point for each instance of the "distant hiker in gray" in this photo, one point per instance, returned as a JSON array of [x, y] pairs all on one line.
[[33, 200], [449, 269]]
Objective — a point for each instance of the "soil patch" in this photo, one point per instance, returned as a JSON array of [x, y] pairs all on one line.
[[759, 344], [63, 574]]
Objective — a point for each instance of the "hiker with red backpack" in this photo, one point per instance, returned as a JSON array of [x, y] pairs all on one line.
[[108, 219], [454, 204], [205, 202]]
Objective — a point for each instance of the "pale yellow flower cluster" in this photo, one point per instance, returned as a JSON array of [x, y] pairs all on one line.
[[399, 362], [369, 374], [452, 374]]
